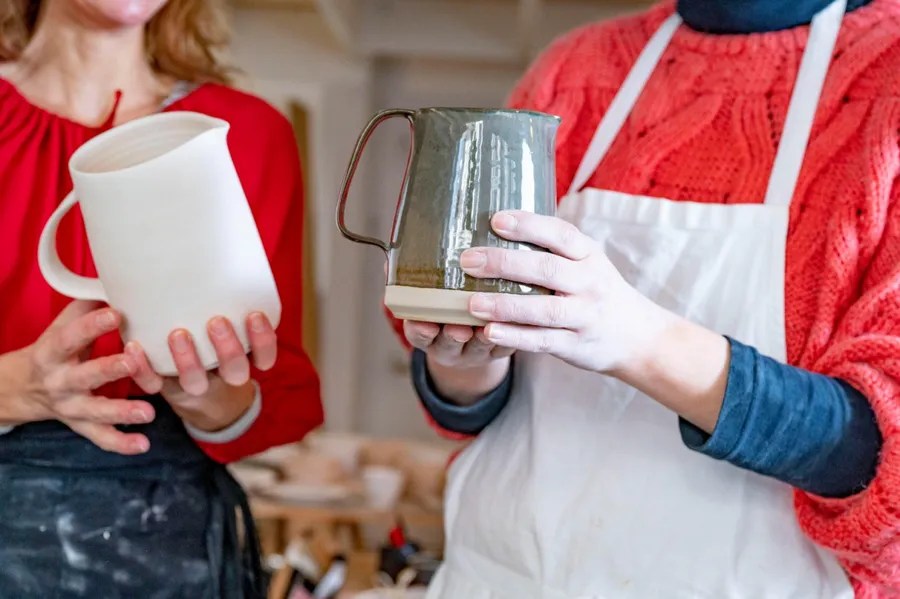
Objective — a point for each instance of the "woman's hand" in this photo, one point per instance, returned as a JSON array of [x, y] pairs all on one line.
[[463, 363], [212, 401], [595, 321], [453, 345], [53, 379]]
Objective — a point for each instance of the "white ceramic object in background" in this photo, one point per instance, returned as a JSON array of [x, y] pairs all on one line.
[[383, 486], [302, 493], [313, 468], [170, 231], [343, 447], [252, 477], [276, 457]]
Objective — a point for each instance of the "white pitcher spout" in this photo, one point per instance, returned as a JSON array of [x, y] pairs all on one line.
[[142, 141]]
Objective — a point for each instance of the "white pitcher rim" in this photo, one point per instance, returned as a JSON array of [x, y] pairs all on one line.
[[124, 129]]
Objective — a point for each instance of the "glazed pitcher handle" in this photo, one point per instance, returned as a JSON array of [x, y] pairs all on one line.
[[54, 271], [351, 169]]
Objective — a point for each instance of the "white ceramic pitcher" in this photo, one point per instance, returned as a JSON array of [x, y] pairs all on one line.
[[171, 233]]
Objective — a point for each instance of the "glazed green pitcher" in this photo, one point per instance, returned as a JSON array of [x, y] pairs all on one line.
[[465, 165]]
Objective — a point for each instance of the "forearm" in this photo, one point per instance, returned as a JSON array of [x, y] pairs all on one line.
[[290, 408], [685, 369], [806, 429], [466, 386], [216, 410], [215, 434], [450, 417], [811, 431]]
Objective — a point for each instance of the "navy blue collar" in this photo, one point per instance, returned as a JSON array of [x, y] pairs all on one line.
[[752, 16]]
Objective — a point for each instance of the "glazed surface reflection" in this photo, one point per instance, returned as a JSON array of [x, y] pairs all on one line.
[[467, 165]]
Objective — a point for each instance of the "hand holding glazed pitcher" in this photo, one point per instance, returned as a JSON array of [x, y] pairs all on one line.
[[465, 166], [476, 244]]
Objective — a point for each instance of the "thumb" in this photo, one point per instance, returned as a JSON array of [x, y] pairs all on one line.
[[66, 337]]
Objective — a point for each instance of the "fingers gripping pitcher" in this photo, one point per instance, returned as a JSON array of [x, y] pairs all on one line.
[[171, 233], [465, 165]]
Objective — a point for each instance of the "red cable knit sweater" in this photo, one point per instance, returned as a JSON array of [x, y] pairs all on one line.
[[706, 129]]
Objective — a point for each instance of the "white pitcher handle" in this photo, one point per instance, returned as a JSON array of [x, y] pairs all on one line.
[[54, 271]]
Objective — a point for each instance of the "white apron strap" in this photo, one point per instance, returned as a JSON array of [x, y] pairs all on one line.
[[804, 100], [624, 102], [797, 126]]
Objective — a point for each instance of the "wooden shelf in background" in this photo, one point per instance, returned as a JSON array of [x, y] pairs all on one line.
[[300, 120], [411, 515]]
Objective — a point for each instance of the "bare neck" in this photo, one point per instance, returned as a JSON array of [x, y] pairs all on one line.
[[75, 70]]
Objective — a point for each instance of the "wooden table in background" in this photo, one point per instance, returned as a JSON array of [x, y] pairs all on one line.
[[345, 524], [410, 514]]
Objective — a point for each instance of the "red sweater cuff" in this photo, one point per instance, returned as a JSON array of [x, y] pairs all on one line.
[[863, 530]]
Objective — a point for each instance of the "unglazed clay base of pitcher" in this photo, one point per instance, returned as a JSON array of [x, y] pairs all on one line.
[[444, 306]]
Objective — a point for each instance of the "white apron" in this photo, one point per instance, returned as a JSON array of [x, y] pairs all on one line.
[[582, 487]]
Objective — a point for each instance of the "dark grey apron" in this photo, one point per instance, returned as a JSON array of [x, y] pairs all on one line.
[[78, 522]]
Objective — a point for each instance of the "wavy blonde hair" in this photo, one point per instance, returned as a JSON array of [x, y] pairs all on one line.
[[182, 39]]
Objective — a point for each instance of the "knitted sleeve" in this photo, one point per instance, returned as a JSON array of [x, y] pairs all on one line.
[[864, 350]]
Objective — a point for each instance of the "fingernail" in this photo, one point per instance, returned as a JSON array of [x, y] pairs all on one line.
[[505, 222], [472, 259], [141, 445], [140, 416], [181, 343], [106, 319], [124, 367], [458, 338], [257, 323], [481, 305], [218, 326], [493, 333]]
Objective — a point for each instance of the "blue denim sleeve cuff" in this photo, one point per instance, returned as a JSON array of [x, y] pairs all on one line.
[[811, 431], [734, 413], [465, 420]]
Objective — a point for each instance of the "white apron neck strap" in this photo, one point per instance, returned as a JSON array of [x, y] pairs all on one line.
[[624, 101], [801, 113]]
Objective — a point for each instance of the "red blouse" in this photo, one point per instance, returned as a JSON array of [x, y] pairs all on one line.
[[35, 146]]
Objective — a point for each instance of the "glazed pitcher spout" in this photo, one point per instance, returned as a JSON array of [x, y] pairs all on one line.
[[464, 166]]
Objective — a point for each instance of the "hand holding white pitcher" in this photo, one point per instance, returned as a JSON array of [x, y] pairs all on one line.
[[179, 256], [211, 401], [52, 380], [174, 242]]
